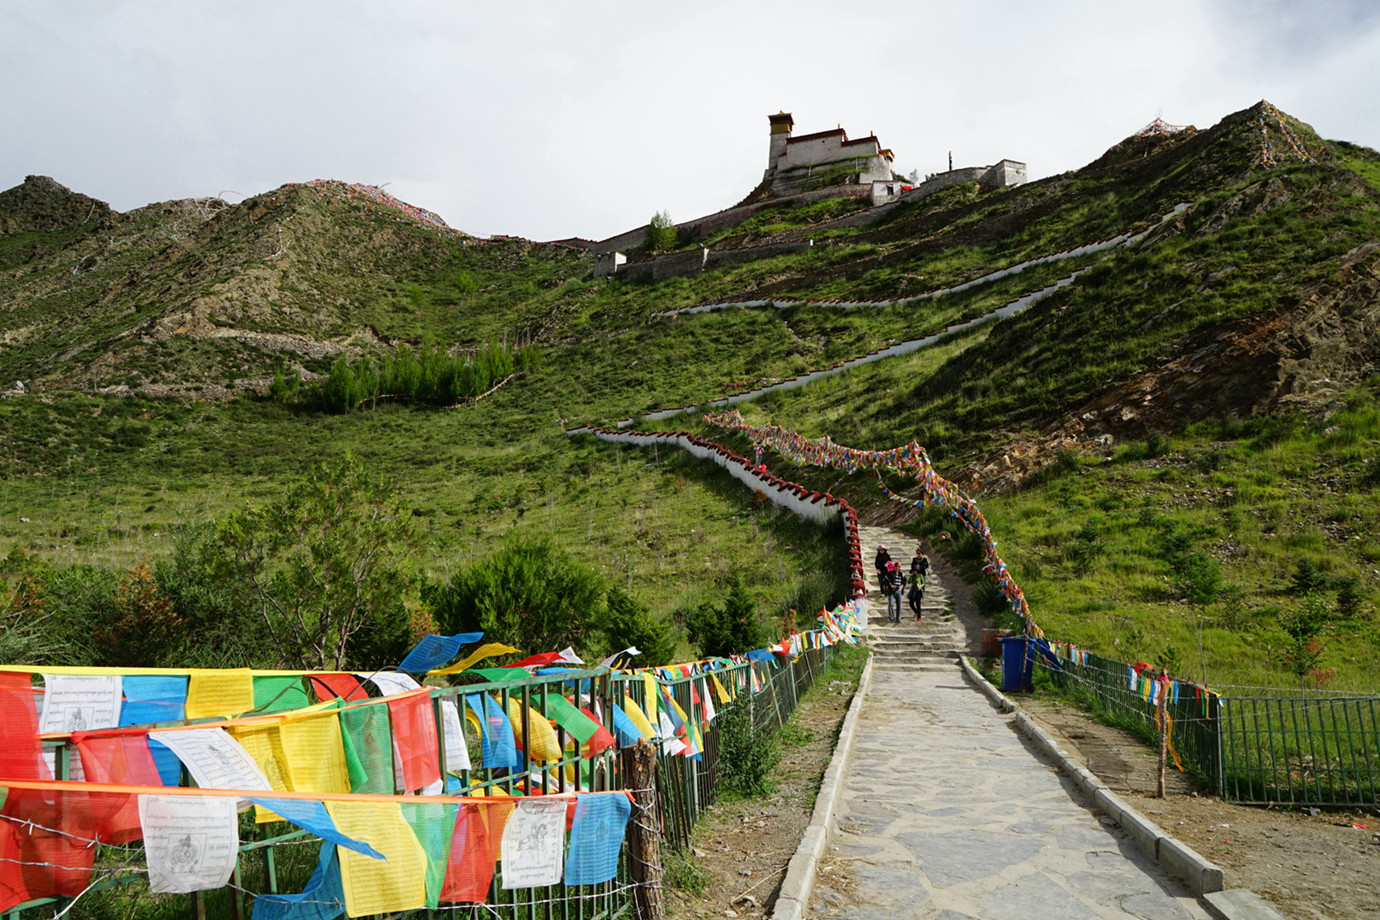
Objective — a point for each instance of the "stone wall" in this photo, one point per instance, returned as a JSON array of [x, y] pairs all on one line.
[[690, 261]]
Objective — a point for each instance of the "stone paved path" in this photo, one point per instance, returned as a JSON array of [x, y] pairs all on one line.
[[947, 814]]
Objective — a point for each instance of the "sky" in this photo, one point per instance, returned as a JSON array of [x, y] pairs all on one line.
[[556, 119]]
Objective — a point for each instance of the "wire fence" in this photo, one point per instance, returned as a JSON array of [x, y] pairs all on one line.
[[1270, 748], [271, 861]]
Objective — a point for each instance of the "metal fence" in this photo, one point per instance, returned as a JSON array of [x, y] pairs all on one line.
[[271, 861], [687, 786], [1301, 750], [1288, 749]]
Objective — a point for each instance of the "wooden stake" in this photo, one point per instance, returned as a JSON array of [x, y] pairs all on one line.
[[1162, 719], [644, 831]]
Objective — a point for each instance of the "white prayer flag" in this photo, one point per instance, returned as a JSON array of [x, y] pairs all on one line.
[[190, 842], [533, 843], [80, 702], [215, 760], [457, 754]]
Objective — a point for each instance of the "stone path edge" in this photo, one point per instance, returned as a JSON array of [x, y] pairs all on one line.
[[796, 887], [1202, 877]]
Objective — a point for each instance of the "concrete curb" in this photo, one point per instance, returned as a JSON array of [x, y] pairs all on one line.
[[799, 882], [1203, 878]]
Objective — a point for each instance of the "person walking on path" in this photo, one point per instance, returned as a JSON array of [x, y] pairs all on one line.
[[893, 586], [919, 568], [879, 563]]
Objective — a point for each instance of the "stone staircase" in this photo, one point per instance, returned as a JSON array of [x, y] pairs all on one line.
[[936, 641]]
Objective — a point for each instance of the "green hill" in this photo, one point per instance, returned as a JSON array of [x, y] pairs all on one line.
[[1208, 388]]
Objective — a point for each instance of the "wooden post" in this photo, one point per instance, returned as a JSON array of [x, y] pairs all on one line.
[[1162, 720], [644, 831]]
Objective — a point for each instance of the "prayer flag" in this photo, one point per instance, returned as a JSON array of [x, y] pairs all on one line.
[[596, 836], [474, 850], [219, 692], [311, 815], [533, 842], [322, 899], [414, 739], [21, 753], [434, 826], [274, 693], [191, 843], [433, 651], [488, 650], [372, 886], [120, 760]]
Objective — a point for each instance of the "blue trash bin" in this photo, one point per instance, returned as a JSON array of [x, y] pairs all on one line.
[[1015, 664]]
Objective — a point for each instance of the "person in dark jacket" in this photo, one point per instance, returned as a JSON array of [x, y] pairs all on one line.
[[919, 568], [883, 557]]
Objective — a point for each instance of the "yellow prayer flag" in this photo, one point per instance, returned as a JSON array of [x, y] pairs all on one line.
[[316, 755], [266, 747], [639, 719], [724, 696], [544, 746], [650, 697], [379, 886], [222, 692], [487, 650]]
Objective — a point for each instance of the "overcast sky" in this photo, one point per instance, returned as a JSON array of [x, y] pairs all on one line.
[[555, 119]]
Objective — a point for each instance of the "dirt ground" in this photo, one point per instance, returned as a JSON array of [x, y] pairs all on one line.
[[741, 848], [1320, 866]]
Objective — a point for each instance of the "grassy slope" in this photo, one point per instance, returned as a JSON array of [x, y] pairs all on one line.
[[104, 479]]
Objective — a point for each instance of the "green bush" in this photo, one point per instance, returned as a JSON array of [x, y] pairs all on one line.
[[1306, 578], [746, 757], [731, 629], [529, 594]]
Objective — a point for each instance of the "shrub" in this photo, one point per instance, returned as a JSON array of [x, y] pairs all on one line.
[[1306, 578], [528, 594], [728, 630], [1348, 596], [746, 757], [1198, 578]]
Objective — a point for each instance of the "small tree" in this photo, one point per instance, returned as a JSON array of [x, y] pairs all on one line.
[[661, 232], [1304, 650], [628, 622], [728, 630], [333, 558], [528, 594]]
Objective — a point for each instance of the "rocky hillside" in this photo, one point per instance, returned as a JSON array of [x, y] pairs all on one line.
[[1259, 292]]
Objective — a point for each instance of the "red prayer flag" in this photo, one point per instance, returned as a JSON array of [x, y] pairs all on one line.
[[342, 686], [474, 850], [21, 753], [122, 760], [53, 855], [414, 738]]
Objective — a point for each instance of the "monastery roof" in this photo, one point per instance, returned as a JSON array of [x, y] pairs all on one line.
[[835, 132]]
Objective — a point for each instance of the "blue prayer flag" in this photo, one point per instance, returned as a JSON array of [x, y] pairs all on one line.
[[322, 899], [596, 835], [495, 731], [624, 727], [150, 699], [434, 651], [311, 815]]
